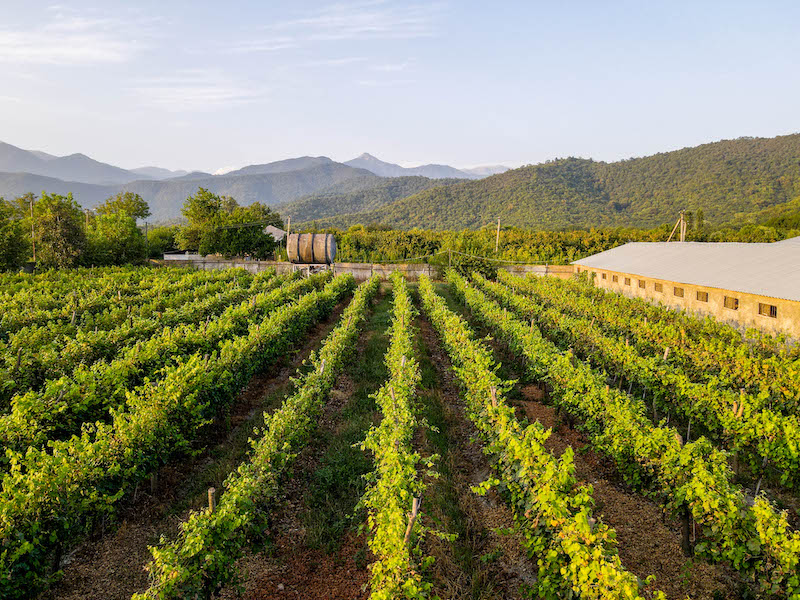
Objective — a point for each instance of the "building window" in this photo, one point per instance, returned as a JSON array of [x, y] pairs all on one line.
[[702, 296], [658, 287], [676, 291], [615, 278], [642, 284], [627, 281], [604, 276], [731, 302], [768, 310]]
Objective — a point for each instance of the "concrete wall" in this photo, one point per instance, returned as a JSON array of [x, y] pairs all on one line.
[[747, 314], [360, 271]]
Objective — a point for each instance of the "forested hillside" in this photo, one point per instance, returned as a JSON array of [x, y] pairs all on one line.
[[357, 195], [727, 180]]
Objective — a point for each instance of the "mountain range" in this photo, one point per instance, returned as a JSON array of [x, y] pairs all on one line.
[[385, 169], [739, 180], [730, 181], [279, 182]]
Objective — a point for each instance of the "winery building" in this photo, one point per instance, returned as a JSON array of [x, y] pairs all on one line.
[[750, 285]]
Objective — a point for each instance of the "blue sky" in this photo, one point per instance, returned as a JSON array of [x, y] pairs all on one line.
[[205, 85]]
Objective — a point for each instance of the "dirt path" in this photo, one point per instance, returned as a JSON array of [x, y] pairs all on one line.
[[647, 544], [111, 565], [480, 562], [315, 549]]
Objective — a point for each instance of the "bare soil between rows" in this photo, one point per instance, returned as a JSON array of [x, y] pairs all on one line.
[[648, 543], [499, 567], [111, 565]]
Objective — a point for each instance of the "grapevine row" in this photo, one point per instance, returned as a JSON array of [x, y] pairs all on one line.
[[576, 553], [40, 355], [717, 360], [759, 435], [693, 477], [201, 559], [394, 491], [62, 407], [102, 307], [58, 493]]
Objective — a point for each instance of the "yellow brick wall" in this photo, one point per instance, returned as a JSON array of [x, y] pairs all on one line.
[[747, 315]]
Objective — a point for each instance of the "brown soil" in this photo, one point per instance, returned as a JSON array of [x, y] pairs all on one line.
[[484, 516], [111, 566], [648, 544], [294, 570]]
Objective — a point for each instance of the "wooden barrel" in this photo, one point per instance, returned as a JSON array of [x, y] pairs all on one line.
[[311, 248]]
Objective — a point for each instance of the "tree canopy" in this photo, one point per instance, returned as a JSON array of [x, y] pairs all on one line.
[[127, 202], [218, 225]]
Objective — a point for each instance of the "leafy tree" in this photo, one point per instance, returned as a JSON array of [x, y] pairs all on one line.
[[202, 211], [248, 240], [59, 232], [114, 239], [212, 227], [127, 202], [14, 245], [161, 240]]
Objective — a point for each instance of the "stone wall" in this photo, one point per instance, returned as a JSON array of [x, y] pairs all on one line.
[[360, 271]]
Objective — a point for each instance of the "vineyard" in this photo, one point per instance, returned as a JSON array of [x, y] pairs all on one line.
[[189, 434]]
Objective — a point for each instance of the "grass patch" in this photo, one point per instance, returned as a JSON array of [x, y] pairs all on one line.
[[337, 483], [444, 498]]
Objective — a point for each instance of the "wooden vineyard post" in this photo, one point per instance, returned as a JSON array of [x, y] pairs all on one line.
[[686, 517], [666, 353], [412, 518], [494, 396], [322, 367], [212, 499], [19, 359], [686, 541], [153, 482]]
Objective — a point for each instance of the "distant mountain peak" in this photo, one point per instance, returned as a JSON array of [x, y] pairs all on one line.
[[386, 169]]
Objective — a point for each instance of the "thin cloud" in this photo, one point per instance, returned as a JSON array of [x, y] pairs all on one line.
[[334, 62], [71, 39], [196, 90], [384, 82], [391, 68], [343, 22]]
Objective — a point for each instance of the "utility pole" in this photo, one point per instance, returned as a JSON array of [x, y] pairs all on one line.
[[497, 241], [683, 227], [33, 232], [682, 223]]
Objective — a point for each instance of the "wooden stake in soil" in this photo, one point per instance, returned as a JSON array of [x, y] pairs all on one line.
[[412, 518], [686, 542], [212, 499]]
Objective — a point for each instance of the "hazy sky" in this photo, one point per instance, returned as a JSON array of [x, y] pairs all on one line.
[[204, 85]]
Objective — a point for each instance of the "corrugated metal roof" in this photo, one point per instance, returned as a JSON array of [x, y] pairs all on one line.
[[277, 234], [765, 269]]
